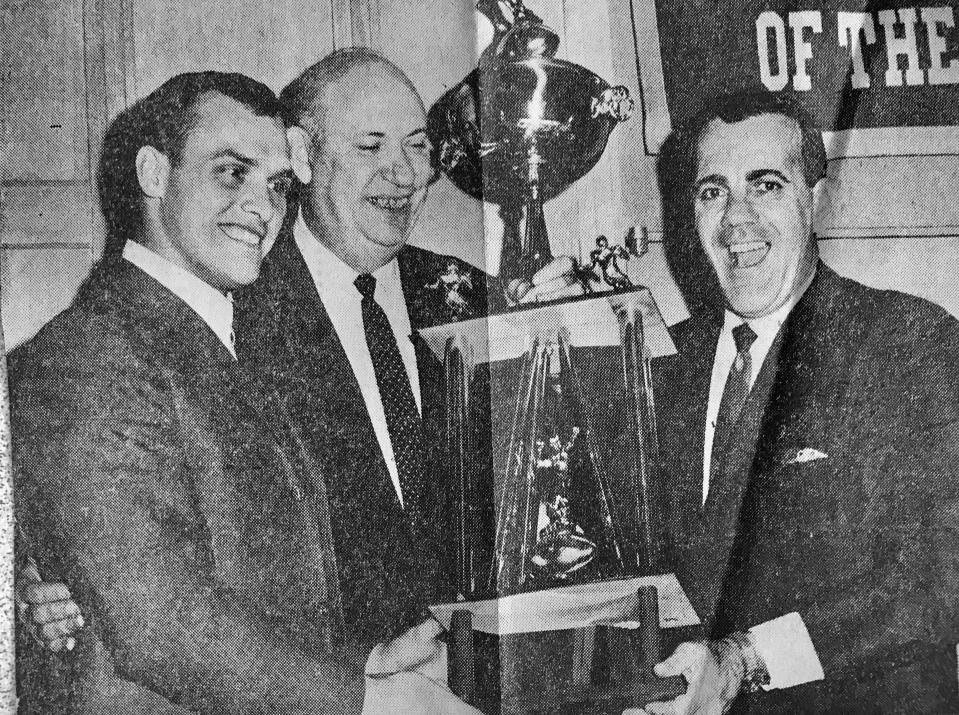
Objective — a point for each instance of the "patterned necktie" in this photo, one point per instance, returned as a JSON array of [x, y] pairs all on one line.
[[402, 419], [734, 395]]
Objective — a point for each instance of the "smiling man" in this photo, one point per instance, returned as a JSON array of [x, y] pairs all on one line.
[[155, 475], [811, 437], [333, 324]]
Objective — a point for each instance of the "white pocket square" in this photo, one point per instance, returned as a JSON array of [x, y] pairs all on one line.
[[806, 454]]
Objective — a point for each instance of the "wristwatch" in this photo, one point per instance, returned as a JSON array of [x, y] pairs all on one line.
[[755, 674]]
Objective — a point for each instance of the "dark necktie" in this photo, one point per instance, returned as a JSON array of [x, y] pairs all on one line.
[[734, 395], [402, 419]]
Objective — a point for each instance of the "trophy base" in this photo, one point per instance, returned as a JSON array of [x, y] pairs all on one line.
[[596, 670]]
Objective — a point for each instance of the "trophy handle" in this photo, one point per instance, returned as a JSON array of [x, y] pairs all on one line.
[[462, 657], [649, 687]]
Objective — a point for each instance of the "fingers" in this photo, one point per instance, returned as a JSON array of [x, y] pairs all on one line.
[[562, 287], [407, 651], [44, 592], [60, 644], [684, 659], [50, 632], [559, 267], [29, 573], [56, 611], [679, 706]]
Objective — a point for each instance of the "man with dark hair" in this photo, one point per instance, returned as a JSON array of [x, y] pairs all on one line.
[[156, 474], [811, 436]]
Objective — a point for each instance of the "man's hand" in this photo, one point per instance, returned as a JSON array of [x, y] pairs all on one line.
[[415, 649], [411, 694], [553, 281], [47, 610], [408, 675], [713, 677]]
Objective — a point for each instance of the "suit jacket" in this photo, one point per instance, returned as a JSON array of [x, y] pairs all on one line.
[[838, 498], [167, 487], [389, 569]]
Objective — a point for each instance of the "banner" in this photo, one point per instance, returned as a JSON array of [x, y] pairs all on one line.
[[879, 78]]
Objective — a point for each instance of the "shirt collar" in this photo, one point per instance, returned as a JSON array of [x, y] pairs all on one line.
[[213, 307], [331, 274], [766, 326]]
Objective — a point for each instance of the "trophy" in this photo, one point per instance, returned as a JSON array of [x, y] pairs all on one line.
[[570, 543]]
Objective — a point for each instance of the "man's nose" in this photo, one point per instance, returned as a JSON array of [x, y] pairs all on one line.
[[739, 210], [400, 170], [257, 201]]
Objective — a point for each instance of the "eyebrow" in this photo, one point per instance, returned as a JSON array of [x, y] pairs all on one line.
[[760, 173], [711, 179], [284, 173], [382, 135], [236, 156], [753, 175], [249, 161]]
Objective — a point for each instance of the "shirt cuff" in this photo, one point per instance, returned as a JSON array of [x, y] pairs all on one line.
[[788, 652]]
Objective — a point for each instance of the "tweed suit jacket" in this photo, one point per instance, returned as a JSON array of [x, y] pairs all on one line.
[[393, 569], [838, 499], [167, 487]]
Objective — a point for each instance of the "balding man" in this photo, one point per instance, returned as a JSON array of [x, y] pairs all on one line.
[[336, 316]]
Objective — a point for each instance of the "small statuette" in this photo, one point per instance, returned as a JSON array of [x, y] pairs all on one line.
[[561, 546], [615, 102], [456, 285], [607, 258]]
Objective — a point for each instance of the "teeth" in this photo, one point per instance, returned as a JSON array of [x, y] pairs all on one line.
[[748, 254], [241, 234], [744, 247], [390, 202]]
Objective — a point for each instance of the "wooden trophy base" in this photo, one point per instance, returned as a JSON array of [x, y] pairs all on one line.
[[597, 670]]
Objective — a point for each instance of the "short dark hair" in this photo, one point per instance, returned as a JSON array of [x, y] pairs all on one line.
[[163, 119], [300, 97], [732, 108]]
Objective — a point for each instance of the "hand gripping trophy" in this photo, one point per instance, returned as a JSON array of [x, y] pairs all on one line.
[[573, 438]]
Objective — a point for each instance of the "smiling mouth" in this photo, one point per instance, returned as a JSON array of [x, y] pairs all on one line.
[[748, 254], [243, 234], [390, 203]]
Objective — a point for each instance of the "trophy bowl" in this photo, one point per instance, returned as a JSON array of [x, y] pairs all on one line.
[[507, 114]]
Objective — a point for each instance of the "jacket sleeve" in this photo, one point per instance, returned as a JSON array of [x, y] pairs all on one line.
[[101, 491]]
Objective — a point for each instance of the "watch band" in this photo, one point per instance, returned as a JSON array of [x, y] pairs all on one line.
[[755, 674]]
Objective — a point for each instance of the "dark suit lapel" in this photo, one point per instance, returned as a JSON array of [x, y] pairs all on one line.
[[683, 413], [244, 461], [818, 347]]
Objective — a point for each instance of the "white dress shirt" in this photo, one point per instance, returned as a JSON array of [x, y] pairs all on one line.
[[213, 307], [334, 284], [766, 329]]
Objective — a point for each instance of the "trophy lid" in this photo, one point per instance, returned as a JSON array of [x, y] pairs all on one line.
[[523, 106]]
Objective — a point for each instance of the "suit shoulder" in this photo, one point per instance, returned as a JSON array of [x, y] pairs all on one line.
[[83, 356], [896, 318]]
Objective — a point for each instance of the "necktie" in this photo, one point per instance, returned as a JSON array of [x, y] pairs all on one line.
[[402, 419], [734, 395]]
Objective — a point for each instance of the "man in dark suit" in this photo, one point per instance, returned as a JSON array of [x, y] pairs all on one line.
[[333, 322], [811, 434], [157, 475]]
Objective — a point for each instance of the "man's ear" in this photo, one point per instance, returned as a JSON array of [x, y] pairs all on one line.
[[300, 142], [820, 200], [153, 171]]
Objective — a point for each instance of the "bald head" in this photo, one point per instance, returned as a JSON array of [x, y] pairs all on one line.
[[359, 146], [329, 83]]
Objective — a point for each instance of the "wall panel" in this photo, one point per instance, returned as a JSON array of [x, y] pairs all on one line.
[[270, 41], [43, 95]]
